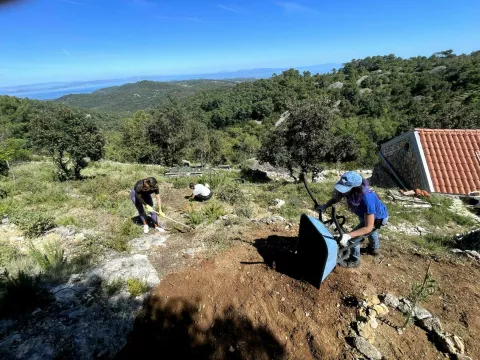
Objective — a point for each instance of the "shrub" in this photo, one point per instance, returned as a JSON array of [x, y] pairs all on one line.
[[213, 211], [68, 221], [214, 180], [194, 217], [230, 193], [34, 224], [51, 260], [244, 211], [136, 287]]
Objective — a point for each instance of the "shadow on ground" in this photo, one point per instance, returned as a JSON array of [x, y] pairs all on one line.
[[177, 328], [278, 252]]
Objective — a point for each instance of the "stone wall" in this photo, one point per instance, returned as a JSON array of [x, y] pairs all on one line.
[[401, 156]]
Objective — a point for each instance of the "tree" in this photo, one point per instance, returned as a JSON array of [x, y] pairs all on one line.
[[168, 132], [70, 137], [11, 150], [306, 139], [135, 143]]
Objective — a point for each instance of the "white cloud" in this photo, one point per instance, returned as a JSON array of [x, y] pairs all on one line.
[[232, 8], [66, 52]]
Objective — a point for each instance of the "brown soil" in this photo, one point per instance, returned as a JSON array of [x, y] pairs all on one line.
[[247, 304]]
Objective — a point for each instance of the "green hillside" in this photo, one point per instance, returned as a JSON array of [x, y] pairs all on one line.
[[141, 95], [355, 108]]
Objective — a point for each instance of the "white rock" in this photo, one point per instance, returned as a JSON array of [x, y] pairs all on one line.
[[420, 313], [391, 301], [145, 243], [473, 253], [136, 266], [366, 348], [431, 324]]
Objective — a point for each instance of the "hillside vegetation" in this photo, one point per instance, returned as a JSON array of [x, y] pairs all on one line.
[[141, 95], [368, 101]]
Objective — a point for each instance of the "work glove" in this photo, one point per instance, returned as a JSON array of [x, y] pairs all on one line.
[[149, 209], [321, 208], [344, 240], [160, 212]]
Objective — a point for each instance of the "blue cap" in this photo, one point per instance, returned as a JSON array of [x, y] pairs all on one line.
[[348, 181]]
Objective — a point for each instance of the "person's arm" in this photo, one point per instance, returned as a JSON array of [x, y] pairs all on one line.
[[367, 229], [159, 202], [138, 193]]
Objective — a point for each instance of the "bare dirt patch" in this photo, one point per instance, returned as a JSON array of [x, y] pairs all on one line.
[[247, 304]]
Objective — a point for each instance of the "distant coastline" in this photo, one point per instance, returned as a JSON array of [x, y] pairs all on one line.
[[51, 91]]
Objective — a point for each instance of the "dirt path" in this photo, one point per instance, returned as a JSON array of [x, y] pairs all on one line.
[[236, 307]]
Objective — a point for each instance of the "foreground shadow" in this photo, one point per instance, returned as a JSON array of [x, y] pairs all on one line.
[[182, 329], [278, 252]]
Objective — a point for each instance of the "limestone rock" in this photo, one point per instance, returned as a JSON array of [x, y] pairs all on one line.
[[391, 301], [367, 349], [372, 300], [282, 119], [373, 323], [359, 81], [365, 330], [461, 357], [404, 306], [451, 344], [431, 324], [35, 348], [380, 309], [143, 244], [336, 85], [125, 267], [420, 313]]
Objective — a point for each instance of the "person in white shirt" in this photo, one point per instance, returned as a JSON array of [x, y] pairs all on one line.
[[200, 192]]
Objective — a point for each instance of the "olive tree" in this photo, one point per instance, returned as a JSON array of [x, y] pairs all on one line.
[[306, 140], [70, 137]]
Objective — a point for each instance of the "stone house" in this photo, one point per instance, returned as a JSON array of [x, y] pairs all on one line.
[[445, 161]]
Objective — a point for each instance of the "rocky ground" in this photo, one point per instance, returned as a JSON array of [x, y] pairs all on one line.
[[230, 288]]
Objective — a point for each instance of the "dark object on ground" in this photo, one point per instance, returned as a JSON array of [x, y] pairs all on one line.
[[201, 198]]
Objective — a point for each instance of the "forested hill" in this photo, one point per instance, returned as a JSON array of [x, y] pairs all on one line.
[[442, 90], [361, 105], [142, 94]]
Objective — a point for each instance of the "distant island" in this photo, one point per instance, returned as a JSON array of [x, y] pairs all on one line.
[[54, 90]]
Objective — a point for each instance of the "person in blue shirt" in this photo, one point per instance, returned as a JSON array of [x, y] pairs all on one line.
[[364, 203]]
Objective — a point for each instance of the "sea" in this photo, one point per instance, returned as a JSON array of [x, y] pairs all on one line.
[[51, 94]]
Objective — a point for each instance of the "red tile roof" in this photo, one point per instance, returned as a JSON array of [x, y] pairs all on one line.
[[452, 159]]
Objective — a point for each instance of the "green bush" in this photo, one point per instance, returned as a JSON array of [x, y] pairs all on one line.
[[230, 193], [51, 260], [244, 211], [215, 180], [34, 224], [68, 221], [213, 211], [194, 217], [136, 287]]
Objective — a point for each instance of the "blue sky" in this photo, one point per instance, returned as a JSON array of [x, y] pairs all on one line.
[[65, 40]]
